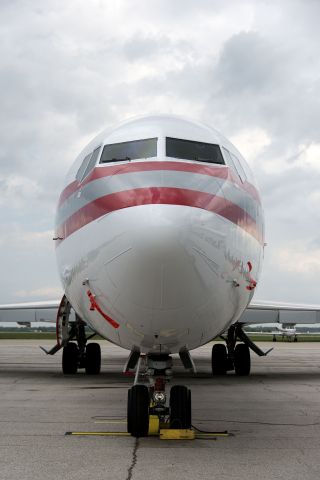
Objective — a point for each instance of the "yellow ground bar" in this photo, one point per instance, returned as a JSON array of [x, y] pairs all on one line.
[[110, 421], [165, 434], [101, 434]]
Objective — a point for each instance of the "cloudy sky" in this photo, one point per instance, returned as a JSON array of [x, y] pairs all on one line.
[[251, 69]]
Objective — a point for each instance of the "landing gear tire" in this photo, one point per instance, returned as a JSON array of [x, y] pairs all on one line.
[[129, 414], [219, 359], [93, 359], [180, 407], [70, 359], [189, 411], [138, 411], [242, 362]]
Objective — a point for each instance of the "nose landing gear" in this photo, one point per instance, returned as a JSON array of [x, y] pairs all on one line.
[[147, 399]]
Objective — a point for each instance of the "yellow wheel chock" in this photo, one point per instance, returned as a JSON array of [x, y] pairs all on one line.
[[154, 425], [177, 434]]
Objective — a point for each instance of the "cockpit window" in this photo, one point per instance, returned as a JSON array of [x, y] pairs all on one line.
[[83, 167], [234, 163], [190, 150], [239, 167], [91, 163], [87, 164], [120, 152]]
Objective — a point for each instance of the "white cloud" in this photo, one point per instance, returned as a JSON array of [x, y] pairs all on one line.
[[298, 258], [13, 236], [16, 189], [310, 156], [251, 142], [43, 293]]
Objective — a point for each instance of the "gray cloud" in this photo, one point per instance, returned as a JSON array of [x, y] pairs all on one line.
[[249, 64]]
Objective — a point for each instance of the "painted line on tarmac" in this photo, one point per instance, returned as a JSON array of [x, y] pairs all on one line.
[[110, 421]]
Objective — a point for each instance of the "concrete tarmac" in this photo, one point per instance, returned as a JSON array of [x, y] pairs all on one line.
[[273, 416]]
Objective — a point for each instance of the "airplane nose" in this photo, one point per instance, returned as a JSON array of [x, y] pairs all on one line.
[[159, 273], [159, 268]]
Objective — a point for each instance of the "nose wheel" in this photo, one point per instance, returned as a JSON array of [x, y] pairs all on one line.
[[147, 400], [138, 411], [180, 407]]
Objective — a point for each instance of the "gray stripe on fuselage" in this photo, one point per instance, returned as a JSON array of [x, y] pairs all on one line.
[[159, 178]]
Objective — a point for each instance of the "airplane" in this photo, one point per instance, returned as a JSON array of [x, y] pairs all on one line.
[[287, 332], [159, 243]]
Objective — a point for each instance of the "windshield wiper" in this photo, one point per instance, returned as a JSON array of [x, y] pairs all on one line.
[[116, 160], [208, 160], [202, 159]]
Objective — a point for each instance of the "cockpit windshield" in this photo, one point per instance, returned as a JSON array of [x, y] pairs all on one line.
[[120, 152], [191, 150]]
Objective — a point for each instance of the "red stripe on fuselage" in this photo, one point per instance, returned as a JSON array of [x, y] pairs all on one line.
[[68, 191], [159, 195], [223, 172]]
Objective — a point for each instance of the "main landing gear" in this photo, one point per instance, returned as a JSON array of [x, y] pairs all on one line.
[[234, 356], [76, 354], [81, 354], [74, 358], [147, 399]]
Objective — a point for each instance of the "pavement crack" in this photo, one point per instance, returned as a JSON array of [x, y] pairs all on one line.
[[134, 459]]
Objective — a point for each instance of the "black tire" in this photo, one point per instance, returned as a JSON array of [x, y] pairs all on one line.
[[93, 359], [189, 410], [242, 362], [138, 411], [129, 414], [180, 407], [70, 359], [219, 359]]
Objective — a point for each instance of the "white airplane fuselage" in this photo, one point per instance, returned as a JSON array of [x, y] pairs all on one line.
[[169, 248], [287, 331]]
